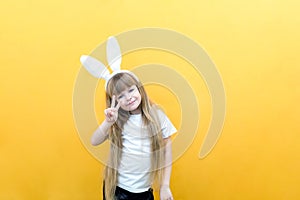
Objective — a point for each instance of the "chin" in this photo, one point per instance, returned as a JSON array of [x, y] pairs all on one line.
[[132, 110], [136, 109]]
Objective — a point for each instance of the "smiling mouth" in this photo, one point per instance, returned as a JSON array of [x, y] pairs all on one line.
[[130, 103]]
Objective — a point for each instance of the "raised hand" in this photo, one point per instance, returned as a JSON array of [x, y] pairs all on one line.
[[111, 113]]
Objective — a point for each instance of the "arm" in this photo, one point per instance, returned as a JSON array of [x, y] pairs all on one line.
[[165, 192], [111, 116], [101, 134]]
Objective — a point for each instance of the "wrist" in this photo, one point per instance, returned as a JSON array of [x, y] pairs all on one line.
[[108, 123], [164, 186]]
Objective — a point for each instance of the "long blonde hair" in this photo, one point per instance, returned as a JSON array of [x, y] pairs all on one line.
[[117, 84]]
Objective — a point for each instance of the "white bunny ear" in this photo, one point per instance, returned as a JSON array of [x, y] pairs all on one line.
[[94, 67], [113, 53]]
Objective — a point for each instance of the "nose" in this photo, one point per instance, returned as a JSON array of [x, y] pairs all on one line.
[[128, 97]]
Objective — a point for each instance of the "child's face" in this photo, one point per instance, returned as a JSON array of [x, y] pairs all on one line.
[[130, 99]]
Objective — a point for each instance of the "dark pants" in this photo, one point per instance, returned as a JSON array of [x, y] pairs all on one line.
[[122, 194]]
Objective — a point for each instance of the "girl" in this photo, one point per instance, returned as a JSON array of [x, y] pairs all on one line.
[[140, 149]]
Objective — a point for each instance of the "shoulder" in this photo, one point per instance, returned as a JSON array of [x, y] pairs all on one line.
[[166, 125], [158, 111]]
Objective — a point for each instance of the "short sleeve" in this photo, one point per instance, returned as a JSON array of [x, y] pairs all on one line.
[[167, 128]]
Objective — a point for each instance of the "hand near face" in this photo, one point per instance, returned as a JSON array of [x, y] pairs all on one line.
[[111, 114]]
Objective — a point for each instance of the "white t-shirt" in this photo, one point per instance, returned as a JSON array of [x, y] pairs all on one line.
[[135, 164]]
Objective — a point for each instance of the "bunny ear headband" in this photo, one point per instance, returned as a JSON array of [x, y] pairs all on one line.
[[114, 58]]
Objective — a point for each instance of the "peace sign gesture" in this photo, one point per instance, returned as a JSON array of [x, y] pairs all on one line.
[[111, 113]]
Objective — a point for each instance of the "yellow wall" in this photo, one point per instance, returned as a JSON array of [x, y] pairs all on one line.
[[254, 44]]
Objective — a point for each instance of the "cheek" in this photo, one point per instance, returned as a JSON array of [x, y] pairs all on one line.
[[137, 95], [124, 108], [139, 99], [122, 104]]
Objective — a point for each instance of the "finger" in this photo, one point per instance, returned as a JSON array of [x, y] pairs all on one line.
[[107, 112], [118, 105], [112, 113], [113, 101]]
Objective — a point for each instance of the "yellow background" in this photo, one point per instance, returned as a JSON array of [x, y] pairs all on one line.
[[254, 44]]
